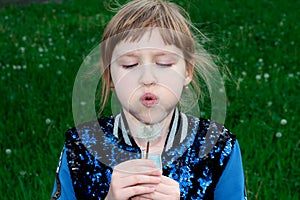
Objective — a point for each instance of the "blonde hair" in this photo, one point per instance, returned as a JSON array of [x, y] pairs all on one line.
[[175, 28]]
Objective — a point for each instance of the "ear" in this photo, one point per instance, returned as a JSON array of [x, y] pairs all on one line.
[[111, 84], [189, 73]]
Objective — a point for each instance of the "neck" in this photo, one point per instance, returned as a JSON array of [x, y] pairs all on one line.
[[162, 128]]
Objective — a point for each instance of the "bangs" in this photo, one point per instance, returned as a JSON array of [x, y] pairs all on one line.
[[134, 19]]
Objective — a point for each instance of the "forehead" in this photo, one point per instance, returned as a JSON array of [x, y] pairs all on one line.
[[151, 41]]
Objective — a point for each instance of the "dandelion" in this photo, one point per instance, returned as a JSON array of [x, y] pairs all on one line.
[[281, 23], [41, 66], [258, 77], [244, 73], [261, 60], [58, 72], [22, 49], [24, 38], [41, 49], [278, 134], [48, 121], [22, 173], [6, 17], [269, 103], [8, 151], [291, 75], [283, 122], [266, 75]]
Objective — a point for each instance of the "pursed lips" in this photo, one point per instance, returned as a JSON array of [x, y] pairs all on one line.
[[149, 99]]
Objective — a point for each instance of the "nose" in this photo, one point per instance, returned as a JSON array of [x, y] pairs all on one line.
[[148, 76]]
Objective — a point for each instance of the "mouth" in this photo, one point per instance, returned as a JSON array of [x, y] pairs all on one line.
[[149, 99]]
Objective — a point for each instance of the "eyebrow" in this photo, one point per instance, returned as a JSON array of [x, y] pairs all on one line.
[[135, 54]]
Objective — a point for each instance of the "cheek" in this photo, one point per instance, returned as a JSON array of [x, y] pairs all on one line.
[[173, 79]]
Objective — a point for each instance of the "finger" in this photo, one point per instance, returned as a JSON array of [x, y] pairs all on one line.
[[137, 162], [137, 171], [137, 180], [139, 198], [138, 190], [138, 166]]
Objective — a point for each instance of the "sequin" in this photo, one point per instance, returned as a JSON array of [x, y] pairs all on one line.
[[195, 162]]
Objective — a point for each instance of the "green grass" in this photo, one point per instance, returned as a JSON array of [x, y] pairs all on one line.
[[42, 47]]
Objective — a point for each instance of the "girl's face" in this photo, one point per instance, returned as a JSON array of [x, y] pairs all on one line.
[[149, 77]]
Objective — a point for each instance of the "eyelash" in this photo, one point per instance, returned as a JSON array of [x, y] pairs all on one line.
[[165, 65], [129, 66], [160, 64]]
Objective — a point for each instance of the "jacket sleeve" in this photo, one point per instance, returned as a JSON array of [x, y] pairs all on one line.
[[63, 187], [232, 184]]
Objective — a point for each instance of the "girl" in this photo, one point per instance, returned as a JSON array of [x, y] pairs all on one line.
[[151, 149]]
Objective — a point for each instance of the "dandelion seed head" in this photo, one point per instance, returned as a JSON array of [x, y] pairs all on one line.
[[22, 173], [281, 23], [48, 121], [269, 103], [266, 75], [22, 49], [41, 66], [283, 122], [8, 151], [278, 134], [258, 77]]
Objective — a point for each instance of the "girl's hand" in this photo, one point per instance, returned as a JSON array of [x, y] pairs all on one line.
[[133, 178], [166, 189]]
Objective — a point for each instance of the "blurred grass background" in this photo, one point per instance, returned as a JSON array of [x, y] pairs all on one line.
[[43, 45]]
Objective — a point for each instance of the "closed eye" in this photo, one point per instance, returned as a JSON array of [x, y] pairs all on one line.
[[165, 64], [129, 66]]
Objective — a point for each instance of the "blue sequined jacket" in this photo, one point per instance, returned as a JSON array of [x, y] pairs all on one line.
[[205, 160]]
